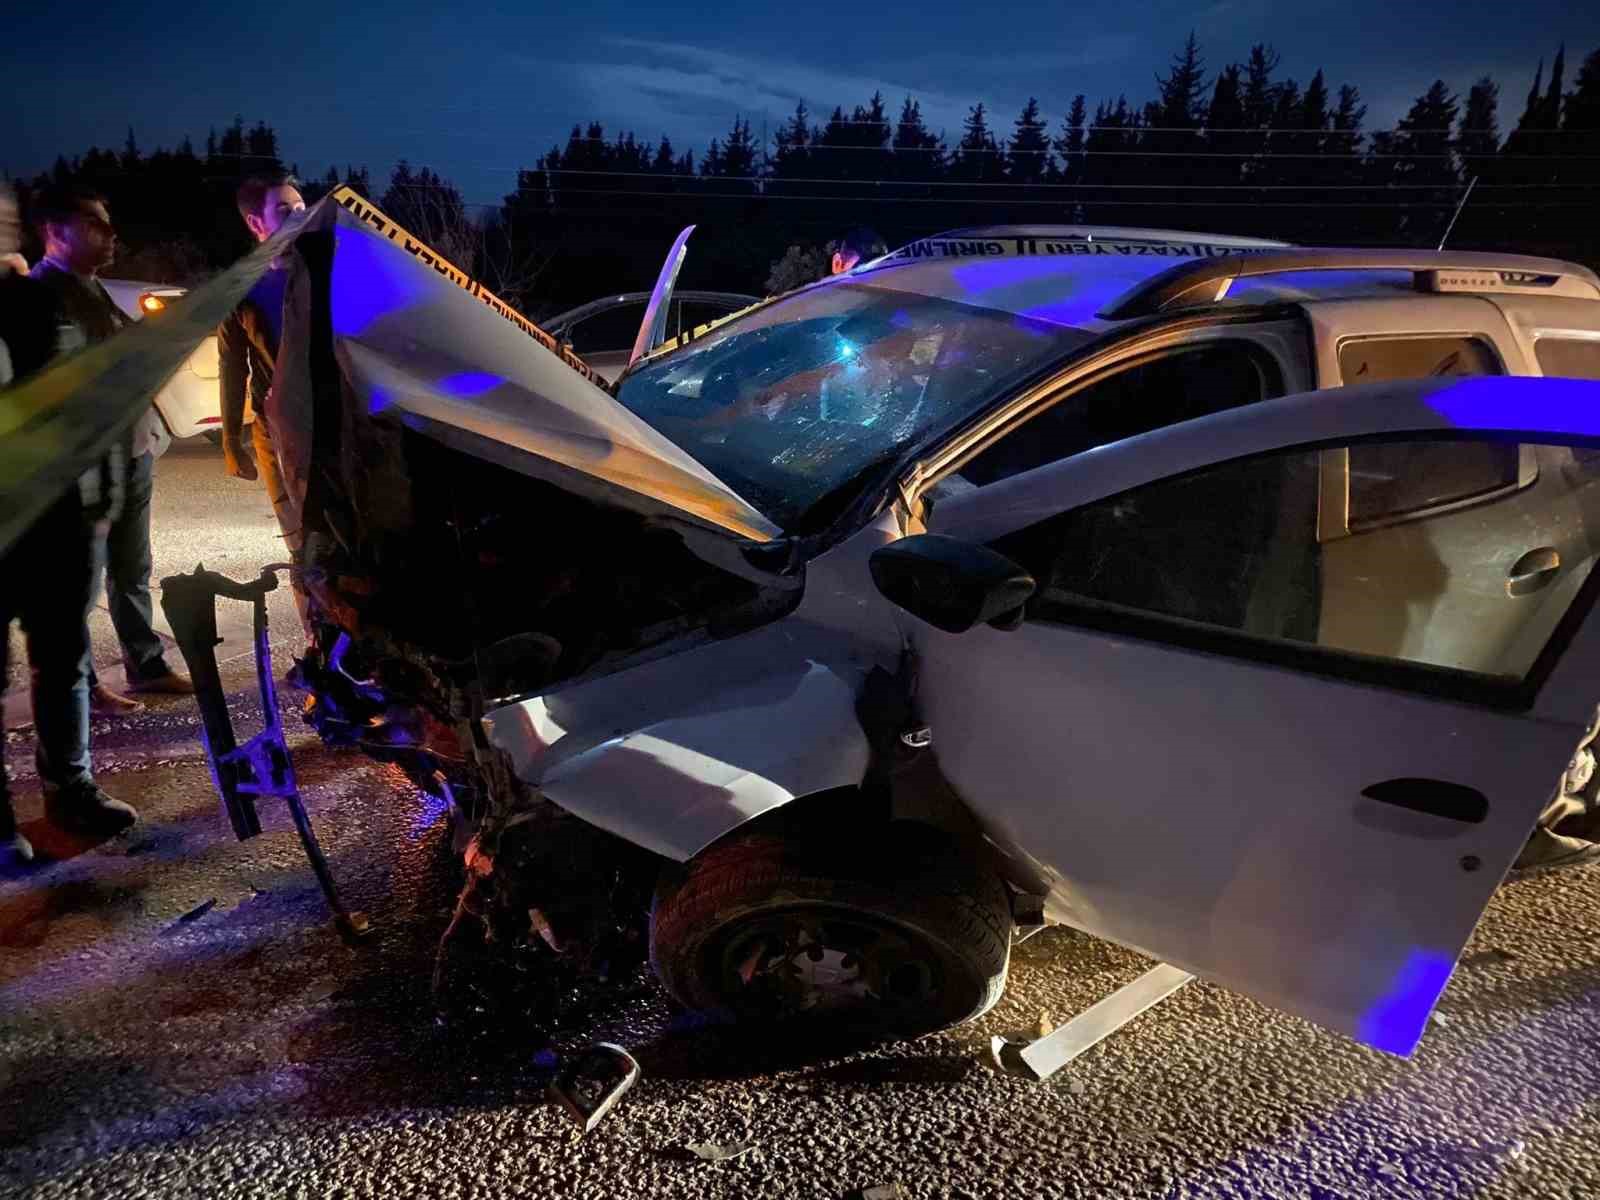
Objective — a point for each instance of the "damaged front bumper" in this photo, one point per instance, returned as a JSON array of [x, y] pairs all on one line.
[[261, 766]]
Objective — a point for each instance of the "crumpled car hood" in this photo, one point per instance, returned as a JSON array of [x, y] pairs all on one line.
[[418, 341]]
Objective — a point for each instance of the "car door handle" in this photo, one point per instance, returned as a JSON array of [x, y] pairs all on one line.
[[1436, 797], [1532, 571]]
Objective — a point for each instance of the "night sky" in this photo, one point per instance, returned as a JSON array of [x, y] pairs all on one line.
[[477, 90]]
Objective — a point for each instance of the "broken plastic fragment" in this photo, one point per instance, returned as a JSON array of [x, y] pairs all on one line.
[[719, 1151], [541, 925], [590, 1088], [885, 1191]]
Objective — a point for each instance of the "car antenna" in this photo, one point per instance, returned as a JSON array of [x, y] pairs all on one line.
[[1448, 229]]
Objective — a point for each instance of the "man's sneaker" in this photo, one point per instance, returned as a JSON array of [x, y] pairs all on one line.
[[86, 809], [103, 702], [168, 683], [15, 848]]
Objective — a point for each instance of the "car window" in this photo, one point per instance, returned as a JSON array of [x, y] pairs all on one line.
[[803, 397], [1393, 480], [1150, 395], [1372, 359], [610, 329], [1569, 358], [1388, 482], [689, 315], [1233, 550]]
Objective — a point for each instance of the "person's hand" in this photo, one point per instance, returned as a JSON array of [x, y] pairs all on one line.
[[237, 459]]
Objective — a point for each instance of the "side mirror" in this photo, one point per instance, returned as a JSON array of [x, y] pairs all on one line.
[[951, 584]]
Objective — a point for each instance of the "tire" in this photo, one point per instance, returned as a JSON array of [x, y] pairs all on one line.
[[904, 933]]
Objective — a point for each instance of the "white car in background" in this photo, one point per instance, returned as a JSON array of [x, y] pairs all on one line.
[[191, 402]]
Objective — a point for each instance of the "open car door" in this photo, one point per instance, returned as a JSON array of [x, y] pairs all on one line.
[[1208, 765]]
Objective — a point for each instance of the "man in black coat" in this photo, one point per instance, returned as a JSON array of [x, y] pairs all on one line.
[[79, 241], [46, 580]]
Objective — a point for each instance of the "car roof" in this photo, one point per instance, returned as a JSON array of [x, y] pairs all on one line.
[[1060, 274], [1080, 277]]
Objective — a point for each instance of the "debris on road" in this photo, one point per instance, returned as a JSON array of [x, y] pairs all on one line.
[[719, 1151], [590, 1088], [198, 911], [1492, 957], [884, 1191]]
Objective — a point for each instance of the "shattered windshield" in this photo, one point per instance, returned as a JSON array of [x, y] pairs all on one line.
[[796, 400]]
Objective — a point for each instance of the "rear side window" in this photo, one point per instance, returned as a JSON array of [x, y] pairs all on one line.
[[1390, 481], [1152, 395], [1569, 358], [609, 329], [1370, 360]]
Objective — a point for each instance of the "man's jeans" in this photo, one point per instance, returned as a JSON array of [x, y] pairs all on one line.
[[45, 583], [125, 557]]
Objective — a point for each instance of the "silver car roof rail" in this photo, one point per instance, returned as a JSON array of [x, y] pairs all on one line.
[[1207, 280]]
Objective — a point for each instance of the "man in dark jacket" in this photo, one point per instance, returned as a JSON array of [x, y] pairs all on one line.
[[79, 241], [45, 581], [247, 350]]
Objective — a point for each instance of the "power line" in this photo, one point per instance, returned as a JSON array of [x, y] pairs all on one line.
[[956, 183], [867, 199]]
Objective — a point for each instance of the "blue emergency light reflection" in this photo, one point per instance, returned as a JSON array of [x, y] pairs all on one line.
[[469, 383], [1394, 1024], [370, 281], [1521, 403]]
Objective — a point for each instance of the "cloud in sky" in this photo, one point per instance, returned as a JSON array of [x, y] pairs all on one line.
[[695, 91]]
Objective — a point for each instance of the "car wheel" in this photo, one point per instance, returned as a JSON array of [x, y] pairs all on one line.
[[903, 932]]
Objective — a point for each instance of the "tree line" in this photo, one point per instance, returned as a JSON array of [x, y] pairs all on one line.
[[1242, 149]]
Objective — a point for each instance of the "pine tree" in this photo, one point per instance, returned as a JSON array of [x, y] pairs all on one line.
[[739, 155], [978, 158], [1182, 102], [1069, 143], [712, 164], [1478, 138], [1029, 151], [665, 162], [793, 139], [130, 152], [918, 152]]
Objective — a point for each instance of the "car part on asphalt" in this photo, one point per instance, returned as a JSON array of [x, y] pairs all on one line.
[[593, 1084], [715, 1152], [262, 765], [1043, 1057], [898, 929]]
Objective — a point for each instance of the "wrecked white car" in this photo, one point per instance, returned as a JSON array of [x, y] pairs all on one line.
[[1026, 575]]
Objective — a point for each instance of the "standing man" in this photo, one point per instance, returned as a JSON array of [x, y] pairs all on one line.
[[247, 347], [78, 242], [46, 579], [856, 247]]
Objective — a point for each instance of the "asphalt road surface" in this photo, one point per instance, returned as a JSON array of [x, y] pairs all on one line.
[[178, 1018]]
